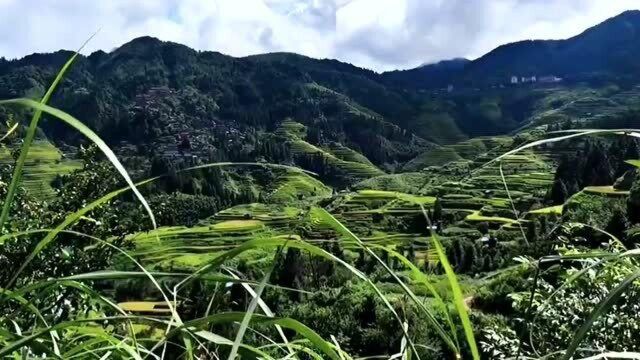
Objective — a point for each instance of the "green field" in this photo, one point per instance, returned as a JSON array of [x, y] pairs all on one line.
[[188, 248], [555, 210], [346, 161], [44, 162]]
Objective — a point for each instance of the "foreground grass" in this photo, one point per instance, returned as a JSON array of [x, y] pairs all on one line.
[[114, 336]]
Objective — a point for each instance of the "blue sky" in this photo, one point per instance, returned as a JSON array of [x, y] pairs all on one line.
[[377, 34]]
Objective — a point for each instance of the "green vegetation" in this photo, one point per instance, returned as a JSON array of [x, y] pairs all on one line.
[[475, 216], [341, 160], [277, 206], [605, 190], [468, 149], [556, 209], [43, 164]]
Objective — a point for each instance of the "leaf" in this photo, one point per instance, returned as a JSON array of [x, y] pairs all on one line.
[[252, 307], [572, 134], [84, 130], [635, 163], [33, 337], [31, 132], [298, 327], [265, 308], [513, 205], [458, 299], [420, 277], [341, 229], [603, 306]]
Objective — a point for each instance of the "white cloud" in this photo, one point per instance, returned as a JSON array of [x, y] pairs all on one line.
[[378, 34]]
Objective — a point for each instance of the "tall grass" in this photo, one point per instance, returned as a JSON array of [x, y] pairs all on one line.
[[80, 338], [619, 252], [194, 333]]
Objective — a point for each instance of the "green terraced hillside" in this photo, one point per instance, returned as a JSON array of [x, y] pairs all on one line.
[[44, 162], [188, 248], [467, 150], [346, 162], [298, 186]]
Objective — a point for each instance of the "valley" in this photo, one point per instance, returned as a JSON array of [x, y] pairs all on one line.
[[436, 212]]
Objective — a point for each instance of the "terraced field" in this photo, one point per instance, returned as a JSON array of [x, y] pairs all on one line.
[[298, 186], [555, 210], [44, 162], [482, 197], [465, 150], [188, 248], [346, 161], [384, 209], [382, 202], [605, 190], [585, 104]]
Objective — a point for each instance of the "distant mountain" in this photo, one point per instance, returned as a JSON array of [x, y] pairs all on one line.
[[433, 75], [609, 50]]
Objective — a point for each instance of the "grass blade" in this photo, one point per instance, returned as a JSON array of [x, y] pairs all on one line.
[[31, 133], [252, 307], [84, 130], [341, 229], [458, 298], [513, 205], [265, 308], [420, 277], [298, 327]]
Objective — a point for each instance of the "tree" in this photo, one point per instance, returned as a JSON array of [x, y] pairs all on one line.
[[559, 192], [532, 231], [618, 223], [633, 202], [289, 271], [437, 210]]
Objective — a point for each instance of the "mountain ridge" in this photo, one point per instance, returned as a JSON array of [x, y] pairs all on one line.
[[148, 92]]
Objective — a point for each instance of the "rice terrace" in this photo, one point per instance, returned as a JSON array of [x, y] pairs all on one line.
[[257, 179]]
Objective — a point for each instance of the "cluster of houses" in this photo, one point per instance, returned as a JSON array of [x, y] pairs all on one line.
[[546, 79]]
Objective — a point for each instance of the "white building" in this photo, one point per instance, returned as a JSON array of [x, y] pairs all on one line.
[[550, 79], [514, 79]]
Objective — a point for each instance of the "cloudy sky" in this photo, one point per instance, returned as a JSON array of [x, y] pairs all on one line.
[[377, 34]]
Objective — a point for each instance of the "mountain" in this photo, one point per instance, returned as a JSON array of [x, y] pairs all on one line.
[[606, 51], [148, 93], [155, 99], [429, 75]]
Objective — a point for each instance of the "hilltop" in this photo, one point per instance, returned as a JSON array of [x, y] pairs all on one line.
[[374, 210], [604, 52]]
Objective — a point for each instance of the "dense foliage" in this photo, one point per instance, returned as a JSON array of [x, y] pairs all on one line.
[[281, 225]]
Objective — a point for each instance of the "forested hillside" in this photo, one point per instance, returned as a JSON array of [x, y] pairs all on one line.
[[167, 203]]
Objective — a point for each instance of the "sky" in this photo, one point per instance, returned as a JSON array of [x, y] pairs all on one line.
[[377, 34]]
